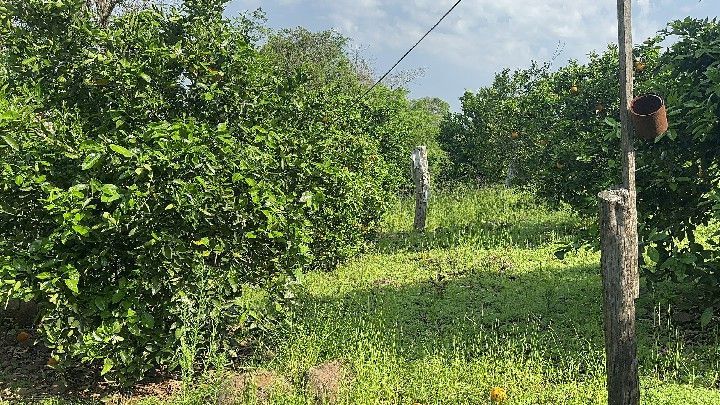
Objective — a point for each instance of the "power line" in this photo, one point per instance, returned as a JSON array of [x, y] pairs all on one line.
[[359, 99]]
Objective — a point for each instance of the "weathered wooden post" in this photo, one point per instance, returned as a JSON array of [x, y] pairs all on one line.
[[510, 172], [619, 244], [619, 294], [421, 176]]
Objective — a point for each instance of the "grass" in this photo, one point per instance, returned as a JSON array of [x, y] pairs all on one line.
[[477, 301]]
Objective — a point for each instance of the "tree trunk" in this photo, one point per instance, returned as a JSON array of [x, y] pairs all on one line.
[[626, 129], [421, 177]]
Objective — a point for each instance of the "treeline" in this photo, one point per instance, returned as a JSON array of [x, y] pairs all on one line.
[[557, 132], [165, 173]]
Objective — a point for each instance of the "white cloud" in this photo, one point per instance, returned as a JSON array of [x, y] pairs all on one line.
[[485, 33], [481, 36]]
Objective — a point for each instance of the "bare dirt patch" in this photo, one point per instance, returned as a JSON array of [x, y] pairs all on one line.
[[25, 376], [260, 384], [325, 380]]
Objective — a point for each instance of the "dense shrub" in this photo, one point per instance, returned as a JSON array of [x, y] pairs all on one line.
[[398, 124], [559, 131], [112, 239], [159, 175], [681, 171]]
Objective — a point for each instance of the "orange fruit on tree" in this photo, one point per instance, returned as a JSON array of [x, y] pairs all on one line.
[[23, 337], [52, 362], [639, 66], [515, 135], [574, 89]]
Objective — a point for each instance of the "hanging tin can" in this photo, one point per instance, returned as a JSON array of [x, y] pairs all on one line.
[[649, 116]]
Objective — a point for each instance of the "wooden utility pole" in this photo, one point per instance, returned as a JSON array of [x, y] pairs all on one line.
[[102, 9], [421, 177], [619, 243], [627, 78]]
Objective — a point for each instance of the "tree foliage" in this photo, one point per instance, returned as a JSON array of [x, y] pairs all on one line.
[[561, 128], [399, 124], [160, 171]]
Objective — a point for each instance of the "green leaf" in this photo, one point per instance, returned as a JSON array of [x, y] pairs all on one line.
[[8, 140], [653, 254], [146, 77], [100, 303], [82, 230], [307, 198], [110, 193], [72, 284], [147, 320], [118, 296], [202, 242], [120, 150], [90, 161], [611, 122], [706, 317], [108, 364]]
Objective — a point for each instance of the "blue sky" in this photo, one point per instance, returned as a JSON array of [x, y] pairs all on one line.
[[480, 38]]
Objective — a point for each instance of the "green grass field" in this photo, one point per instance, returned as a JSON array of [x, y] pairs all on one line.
[[478, 301]]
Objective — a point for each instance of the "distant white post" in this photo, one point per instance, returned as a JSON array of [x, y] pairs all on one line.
[[421, 177]]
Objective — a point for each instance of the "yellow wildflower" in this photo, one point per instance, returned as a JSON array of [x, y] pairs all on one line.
[[498, 395]]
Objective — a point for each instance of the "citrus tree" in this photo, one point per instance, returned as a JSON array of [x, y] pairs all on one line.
[[559, 130], [163, 180]]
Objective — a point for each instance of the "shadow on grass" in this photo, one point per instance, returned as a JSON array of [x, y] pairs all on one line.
[[462, 306], [548, 320], [487, 233]]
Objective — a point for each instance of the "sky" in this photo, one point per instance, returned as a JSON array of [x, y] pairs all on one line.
[[480, 38]]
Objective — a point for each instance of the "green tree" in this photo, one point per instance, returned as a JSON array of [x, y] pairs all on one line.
[[158, 174], [396, 124], [561, 129]]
